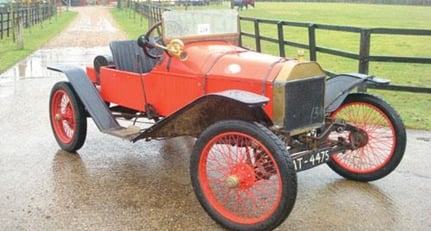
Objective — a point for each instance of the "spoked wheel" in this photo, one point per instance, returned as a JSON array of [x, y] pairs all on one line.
[[68, 117], [384, 136], [243, 176]]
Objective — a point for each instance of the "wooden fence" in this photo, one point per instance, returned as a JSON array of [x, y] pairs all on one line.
[[363, 57], [30, 14], [386, 2]]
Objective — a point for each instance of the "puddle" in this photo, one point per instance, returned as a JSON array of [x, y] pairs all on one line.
[[426, 139], [35, 65]]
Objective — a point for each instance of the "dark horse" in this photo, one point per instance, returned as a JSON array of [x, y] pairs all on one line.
[[241, 3]]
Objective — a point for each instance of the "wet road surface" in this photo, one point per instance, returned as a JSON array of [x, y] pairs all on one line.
[[112, 184]]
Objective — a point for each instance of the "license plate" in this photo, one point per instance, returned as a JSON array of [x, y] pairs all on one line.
[[311, 159]]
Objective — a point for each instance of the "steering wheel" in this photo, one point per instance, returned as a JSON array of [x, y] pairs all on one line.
[[151, 40]]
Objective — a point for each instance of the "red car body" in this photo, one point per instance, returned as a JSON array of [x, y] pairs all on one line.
[[211, 66], [257, 118]]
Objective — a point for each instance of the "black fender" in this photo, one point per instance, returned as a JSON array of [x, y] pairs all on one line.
[[89, 96], [195, 117], [338, 87]]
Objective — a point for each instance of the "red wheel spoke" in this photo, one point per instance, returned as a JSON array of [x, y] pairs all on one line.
[[241, 174], [67, 116], [63, 116], [379, 148], [249, 198], [263, 190]]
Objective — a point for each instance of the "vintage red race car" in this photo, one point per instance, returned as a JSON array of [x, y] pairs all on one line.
[[258, 119]]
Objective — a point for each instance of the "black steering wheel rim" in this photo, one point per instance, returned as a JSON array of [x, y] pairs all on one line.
[[147, 41]]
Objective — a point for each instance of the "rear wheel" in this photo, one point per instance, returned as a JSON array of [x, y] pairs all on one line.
[[243, 176], [68, 117], [385, 135]]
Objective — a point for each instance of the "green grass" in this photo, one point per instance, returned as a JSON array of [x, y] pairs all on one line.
[[361, 15], [413, 108], [130, 22], [34, 38]]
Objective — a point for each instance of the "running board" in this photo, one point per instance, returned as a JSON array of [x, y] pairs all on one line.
[[125, 133], [92, 101]]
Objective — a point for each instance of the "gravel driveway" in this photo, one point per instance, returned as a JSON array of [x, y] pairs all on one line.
[[94, 26], [86, 37]]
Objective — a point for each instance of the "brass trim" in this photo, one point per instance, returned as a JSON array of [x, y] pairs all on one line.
[[292, 70]]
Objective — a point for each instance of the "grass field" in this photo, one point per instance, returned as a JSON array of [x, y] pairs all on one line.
[[357, 15], [34, 38], [414, 108]]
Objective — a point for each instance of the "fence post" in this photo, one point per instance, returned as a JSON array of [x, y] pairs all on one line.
[[142, 10], [281, 39], [312, 41], [12, 21], [257, 35], [364, 56], [150, 17], [8, 24], [1, 25], [19, 32], [24, 16], [240, 34]]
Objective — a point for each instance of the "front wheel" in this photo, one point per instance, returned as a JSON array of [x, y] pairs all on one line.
[[243, 176], [385, 135], [68, 117]]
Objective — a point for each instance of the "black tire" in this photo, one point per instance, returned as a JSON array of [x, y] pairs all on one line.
[[386, 138], [68, 117], [243, 166]]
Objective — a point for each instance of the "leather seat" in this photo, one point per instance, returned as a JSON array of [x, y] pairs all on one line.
[[128, 56]]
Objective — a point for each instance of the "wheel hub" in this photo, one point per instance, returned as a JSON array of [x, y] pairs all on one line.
[[241, 175], [358, 139], [58, 117], [232, 181]]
